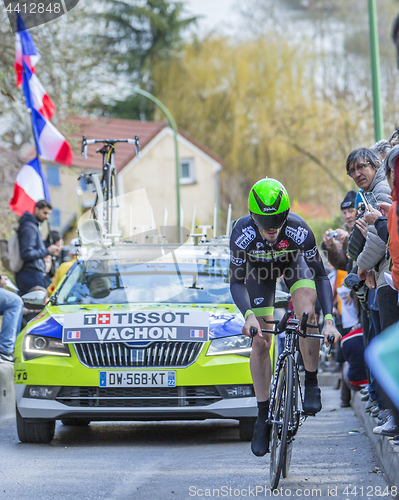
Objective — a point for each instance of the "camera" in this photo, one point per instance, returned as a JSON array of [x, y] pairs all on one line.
[[333, 234], [356, 239], [362, 209], [354, 283]]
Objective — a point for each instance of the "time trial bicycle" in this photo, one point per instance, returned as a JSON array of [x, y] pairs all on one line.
[[285, 413]]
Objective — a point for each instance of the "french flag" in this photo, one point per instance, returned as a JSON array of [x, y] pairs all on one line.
[[51, 145], [73, 335], [198, 334], [36, 94], [25, 51], [30, 187]]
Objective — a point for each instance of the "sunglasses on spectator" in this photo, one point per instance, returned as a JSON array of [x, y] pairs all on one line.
[[358, 167]]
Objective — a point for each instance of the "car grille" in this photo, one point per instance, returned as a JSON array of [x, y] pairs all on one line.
[[115, 354], [135, 397]]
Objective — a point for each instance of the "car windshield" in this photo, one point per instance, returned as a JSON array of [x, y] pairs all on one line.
[[120, 281]]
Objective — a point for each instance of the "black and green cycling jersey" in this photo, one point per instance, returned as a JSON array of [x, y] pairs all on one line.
[[255, 265]]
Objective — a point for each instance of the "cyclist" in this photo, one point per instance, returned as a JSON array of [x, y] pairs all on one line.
[[268, 243]]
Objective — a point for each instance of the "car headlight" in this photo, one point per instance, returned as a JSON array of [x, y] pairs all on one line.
[[37, 345], [237, 344]]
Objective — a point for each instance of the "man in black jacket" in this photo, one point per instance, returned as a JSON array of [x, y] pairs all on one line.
[[33, 249]]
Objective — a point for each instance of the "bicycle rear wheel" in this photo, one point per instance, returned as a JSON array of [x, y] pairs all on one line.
[[281, 413], [293, 423]]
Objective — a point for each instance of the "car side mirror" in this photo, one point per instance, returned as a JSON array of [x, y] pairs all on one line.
[[34, 300]]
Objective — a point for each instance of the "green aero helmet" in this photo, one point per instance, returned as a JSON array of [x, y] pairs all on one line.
[[268, 204]]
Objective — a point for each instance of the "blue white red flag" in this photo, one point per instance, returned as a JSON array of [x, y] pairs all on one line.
[[50, 144], [36, 95], [196, 333], [25, 51], [74, 335], [30, 187]]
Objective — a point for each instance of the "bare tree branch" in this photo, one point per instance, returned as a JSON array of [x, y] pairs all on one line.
[[325, 169]]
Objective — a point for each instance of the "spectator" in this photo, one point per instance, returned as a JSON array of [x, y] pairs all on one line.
[[354, 375], [394, 139], [11, 307], [73, 252], [364, 167], [389, 228], [54, 238], [337, 256], [346, 314], [381, 148], [53, 262], [32, 248], [386, 349]]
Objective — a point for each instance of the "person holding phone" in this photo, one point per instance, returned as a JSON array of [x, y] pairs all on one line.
[[384, 217], [364, 167], [385, 220]]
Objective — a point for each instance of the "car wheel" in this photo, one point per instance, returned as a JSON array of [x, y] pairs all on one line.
[[246, 428], [35, 430], [79, 422]]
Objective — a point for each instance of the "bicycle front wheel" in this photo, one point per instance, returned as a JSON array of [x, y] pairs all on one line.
[[294, 422], [280, 420]]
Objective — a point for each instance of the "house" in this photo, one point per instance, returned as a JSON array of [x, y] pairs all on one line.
[[154, 171]]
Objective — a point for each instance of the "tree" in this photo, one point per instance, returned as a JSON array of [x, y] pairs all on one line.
[[256, 103], [68, 69], [137, 34], [338, 31]]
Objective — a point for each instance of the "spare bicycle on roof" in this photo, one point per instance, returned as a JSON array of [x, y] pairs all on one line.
[[103, 226]]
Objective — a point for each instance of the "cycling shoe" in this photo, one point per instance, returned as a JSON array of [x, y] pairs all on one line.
[[261, 438], [312, 400]]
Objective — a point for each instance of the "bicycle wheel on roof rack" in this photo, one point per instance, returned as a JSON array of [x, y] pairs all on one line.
[[280, 421]]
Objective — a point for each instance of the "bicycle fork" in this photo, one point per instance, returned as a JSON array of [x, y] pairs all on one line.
[[295, 418]]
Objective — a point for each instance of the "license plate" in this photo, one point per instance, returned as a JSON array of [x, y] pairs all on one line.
[[138, 379]]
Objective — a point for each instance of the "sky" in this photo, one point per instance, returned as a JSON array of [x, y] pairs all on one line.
[[217, 14]]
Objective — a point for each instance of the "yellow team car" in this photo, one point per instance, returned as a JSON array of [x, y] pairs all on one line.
[[136, 333]]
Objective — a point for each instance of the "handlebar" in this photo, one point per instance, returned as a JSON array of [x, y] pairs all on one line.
[[87, 142], [293, 327]]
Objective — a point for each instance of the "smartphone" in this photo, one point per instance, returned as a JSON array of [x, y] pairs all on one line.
[[369, 199]]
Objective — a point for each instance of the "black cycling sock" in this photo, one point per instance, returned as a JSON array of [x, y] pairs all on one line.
[[263, 410], [310, 378]]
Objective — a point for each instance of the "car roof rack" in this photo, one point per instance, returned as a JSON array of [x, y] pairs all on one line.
[[153, 236]]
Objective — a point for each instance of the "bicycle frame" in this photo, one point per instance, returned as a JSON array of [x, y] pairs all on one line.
[[290, 349], [110, 190]]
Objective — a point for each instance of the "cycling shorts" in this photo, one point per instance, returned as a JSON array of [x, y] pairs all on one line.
[[261, 282]]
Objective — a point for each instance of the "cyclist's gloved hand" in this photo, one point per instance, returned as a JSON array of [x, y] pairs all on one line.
[[251, 322], [329, 329]]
